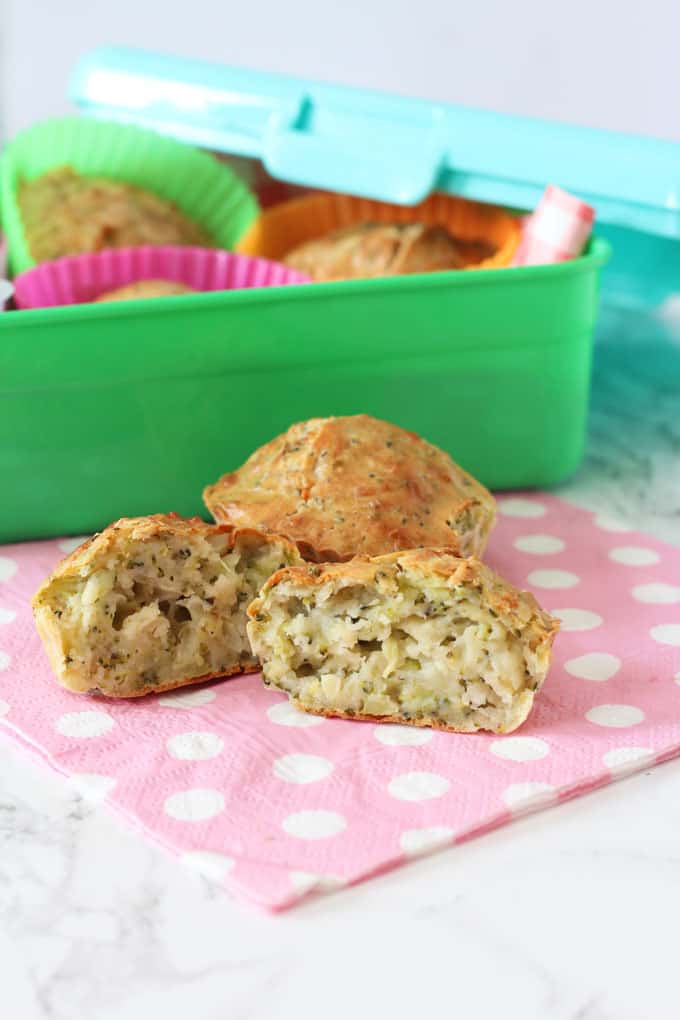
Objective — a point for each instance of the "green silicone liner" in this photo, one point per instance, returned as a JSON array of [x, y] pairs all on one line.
[[206, 190]]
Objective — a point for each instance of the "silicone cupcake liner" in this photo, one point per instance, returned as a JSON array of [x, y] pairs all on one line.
[[208, 191], [278, 230], [76, 279]]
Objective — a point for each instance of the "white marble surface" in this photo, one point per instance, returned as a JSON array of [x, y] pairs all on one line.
[[567, 915]]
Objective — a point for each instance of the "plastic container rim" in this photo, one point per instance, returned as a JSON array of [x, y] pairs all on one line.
[[597, 255]]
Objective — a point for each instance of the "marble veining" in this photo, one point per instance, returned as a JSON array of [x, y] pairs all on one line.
[[632, 464]]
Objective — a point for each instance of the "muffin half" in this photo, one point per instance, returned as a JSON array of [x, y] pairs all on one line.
[[420, 637], [154, 603], [376, 249]]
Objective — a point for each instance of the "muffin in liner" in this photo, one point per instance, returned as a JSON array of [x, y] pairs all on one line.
[[204, 189], [76, 279], [486, 235]]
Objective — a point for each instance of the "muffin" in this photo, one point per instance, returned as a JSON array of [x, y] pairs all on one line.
[[146, 289], [421, 638], [340, 487], [154, 603], [65, 213], [376, 249]]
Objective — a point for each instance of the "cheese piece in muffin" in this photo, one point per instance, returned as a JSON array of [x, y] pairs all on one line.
[[419, 637], [146, 289], [340, 487], [376, 249], [154, 603]]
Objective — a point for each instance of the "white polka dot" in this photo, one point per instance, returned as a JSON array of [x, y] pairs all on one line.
[[304, 881], [677, 678], [92, 785], [666, 633], [418, 786], [627, 759], [211, 865], [577, 619], [539, 545], [615, 715], [521, 508], [67, 545], [612, 524], [4, 661], [634, 556], [302, 768], [421, 841], [90, 723], [194, 805], [7, 616], [188, 699], [314, 824], [521, 797], [593, 666], [307, 881], [552, 579], [8, 568], [287, 714], [402, 736], [520, 748], [4, 707], [656, 594], [194, 746]]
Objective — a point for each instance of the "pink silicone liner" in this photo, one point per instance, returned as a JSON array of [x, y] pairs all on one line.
[[76, 279]]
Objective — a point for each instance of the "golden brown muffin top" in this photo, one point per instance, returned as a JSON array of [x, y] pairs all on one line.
[[344, 486], [376, 249], [65, 213], [146, 289]]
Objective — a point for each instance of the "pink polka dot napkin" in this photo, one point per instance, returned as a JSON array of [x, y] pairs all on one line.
[[274, 803]]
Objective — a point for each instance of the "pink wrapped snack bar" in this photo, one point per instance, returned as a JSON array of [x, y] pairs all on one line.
[[557, 231]]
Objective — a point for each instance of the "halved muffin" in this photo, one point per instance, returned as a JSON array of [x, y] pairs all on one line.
[[347, 486], [420, 637], [154, 603]]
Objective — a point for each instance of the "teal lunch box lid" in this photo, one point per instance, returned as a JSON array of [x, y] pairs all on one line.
[[324, 136]]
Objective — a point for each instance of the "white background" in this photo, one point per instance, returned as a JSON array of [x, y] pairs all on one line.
[[606, 63]]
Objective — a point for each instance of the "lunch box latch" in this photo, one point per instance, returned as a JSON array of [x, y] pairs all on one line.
[[335, 149]]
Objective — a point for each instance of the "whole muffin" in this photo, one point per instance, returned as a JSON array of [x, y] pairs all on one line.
[[146, 289], [376, 249], [65, 213], [344, 486]]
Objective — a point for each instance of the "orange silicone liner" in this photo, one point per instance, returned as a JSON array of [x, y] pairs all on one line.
[[279, 229]]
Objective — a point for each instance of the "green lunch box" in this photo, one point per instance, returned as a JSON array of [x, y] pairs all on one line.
[[132, 407]]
